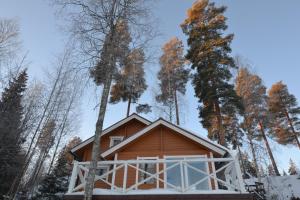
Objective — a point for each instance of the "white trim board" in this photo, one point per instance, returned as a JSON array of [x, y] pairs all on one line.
[[111, 128], [203, 141]]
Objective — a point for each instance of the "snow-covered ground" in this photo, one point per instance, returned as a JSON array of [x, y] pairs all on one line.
[[280, 187]]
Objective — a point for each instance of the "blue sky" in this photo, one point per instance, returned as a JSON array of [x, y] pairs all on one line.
[[266, 33]]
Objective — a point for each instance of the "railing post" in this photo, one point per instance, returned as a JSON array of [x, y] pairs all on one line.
[[214, 172], [73, 177], [239, 174], [182, 176], [125, 177], [157, 176], [114, 173]]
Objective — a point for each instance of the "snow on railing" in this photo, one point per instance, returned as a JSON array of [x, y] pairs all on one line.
[[182, 176]]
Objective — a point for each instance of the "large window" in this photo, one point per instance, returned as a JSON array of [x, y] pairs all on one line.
[[150, 168], [190, 176]]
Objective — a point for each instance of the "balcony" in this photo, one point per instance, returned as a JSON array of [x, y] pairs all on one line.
[[171, 175]]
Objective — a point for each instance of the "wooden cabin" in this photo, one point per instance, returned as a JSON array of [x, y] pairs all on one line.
[[143, 159]]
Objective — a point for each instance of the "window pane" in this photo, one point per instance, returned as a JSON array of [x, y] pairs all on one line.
[[173, 174], [150, 168], [191, 176], [116, 141], [195, 176]]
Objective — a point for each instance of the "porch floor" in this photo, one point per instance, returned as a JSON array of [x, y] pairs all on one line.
[[166, 197]]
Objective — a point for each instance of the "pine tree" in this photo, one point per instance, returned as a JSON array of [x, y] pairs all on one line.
[[173, 76], [11, 115], [292, 168], [285, 111], [209, 53], [250, 88], [130, 83]]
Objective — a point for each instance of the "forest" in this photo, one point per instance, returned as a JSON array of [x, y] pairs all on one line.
[[109, 46]]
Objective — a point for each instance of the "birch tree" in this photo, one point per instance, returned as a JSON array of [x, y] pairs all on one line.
[[173, 76], [53, 107], [98, 27], [9, 48]]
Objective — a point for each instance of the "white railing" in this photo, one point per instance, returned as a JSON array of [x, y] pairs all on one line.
[[181, 176]]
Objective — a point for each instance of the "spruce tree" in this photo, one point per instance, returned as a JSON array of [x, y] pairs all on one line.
[[173, 76], [209, 54], [250, 88], [292, 168], [285, 111], [55, 184], [248, 167], [11, 114]]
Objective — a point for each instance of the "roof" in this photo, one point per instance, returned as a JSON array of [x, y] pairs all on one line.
[[111, 128], [201, 140]]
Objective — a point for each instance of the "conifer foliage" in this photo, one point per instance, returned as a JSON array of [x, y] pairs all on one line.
[[55, 184], [173, 76], [209, 53], [250, 88], [285, 111], [130, 82], [293, 168], [11, 114]]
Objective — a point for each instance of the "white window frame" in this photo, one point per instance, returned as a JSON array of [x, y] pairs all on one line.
[[185, 168], [112, 138], [157, 169]]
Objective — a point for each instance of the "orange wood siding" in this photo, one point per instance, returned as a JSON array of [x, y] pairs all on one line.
[[158, 142], [125, 130]]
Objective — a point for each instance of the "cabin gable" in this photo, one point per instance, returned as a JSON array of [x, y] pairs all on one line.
[[159, 142], [125, 130]]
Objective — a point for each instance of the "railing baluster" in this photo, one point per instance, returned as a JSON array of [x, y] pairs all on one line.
[[182, 176], [238, 171], [73, 177], [114, 173], [125, 177]]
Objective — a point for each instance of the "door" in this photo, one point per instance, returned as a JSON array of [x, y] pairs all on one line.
[[191, 175]]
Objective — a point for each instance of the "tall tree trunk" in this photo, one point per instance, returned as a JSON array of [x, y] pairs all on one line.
[[221, 133], [262, 130], [128, 106], [62, 130], [96, 144], [176, 107], [89, 186], [253, 154], [292, 127], [170, 113]]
